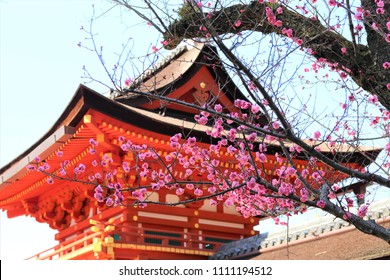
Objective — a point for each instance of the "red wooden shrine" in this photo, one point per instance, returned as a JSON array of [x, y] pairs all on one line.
[[89, 230]]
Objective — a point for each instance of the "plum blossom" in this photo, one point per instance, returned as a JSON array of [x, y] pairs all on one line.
[[387, 148], [320, 204], [276, 125], [362, 212], [128, 82], [109, 202], [198, 192], [218, 108], [93, 142], [287, 32], [373, 99]]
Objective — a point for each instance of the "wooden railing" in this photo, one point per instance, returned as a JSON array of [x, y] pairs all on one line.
[[125, 234], [152, 236], [67, 247]]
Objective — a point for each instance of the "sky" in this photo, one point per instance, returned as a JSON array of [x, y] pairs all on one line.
[[40, 70]]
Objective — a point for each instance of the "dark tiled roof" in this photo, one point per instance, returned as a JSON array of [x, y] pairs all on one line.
[[240, 249], [250, 247]]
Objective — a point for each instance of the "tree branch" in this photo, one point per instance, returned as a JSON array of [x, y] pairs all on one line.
[[323, 42]]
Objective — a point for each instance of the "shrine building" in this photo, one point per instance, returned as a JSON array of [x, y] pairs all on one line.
[[88, 229]]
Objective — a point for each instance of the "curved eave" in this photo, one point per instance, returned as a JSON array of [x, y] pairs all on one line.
[[206, 56], [86, 99]]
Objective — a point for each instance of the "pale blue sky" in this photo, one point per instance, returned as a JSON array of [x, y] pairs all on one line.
[[40, 69]]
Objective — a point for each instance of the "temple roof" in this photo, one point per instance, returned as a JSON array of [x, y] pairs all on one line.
[[180, 76], [141, 114], [86, 98], [296, 242]]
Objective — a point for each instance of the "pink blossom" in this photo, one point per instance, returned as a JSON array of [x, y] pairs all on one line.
[[98, 197], [343, 50], [317, 135], [380, 11], [109, 202], [332, 195], [386, 65], [261, 157], [373, 99], [276, 125], [304, 198], [31, 167], [213, 202], [237, 23], [199, 4], [358, 16], [179, 191], [50, 180], [188, 172], [362, 212], [298, 41], [128, 82], [375, 121], [154, 49], [318, 175], [304, 173], [388, 86], [191, 141], [229, 202], [358, 27], [349, 201], [93, 142], [287, 32], [343, 75], [380, 4], [387, 148], [347, 216], [291, 171], [255, 108], [198, 192], [279, 10], [320, 204], [388, 25], [218, 108], [202, 120]]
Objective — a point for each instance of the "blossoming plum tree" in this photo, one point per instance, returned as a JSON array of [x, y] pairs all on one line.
[[285, 55]]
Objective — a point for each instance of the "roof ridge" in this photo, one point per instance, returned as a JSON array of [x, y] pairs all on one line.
[[158, 66]]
